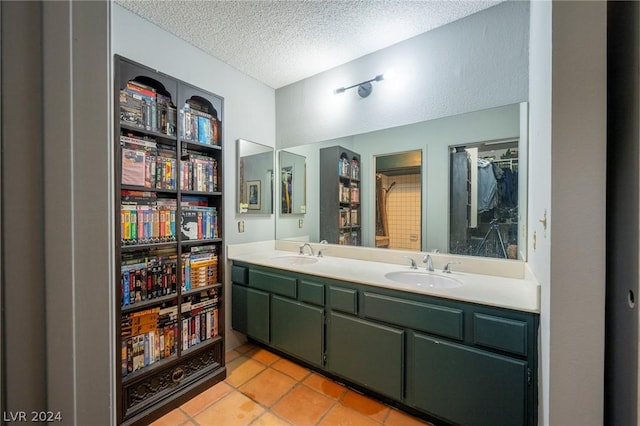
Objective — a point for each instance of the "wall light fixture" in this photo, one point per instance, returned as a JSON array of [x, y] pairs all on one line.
[[365, 88]]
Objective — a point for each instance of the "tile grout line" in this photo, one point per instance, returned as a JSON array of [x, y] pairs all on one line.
[[247, 355]]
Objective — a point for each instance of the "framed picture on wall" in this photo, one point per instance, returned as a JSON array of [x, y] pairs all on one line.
[[252, 192]]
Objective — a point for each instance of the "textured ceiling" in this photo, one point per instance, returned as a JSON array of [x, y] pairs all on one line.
[[281, 42]]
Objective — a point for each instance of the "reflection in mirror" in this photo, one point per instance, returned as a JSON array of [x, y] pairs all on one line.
[[398, 198], [255, 178], [293, 181], [434, 138], [483, 206]]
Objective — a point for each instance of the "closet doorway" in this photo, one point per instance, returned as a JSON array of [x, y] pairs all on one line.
[[398, 198], [483, 201]]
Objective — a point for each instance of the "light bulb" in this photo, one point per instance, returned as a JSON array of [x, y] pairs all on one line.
[[390, 74]]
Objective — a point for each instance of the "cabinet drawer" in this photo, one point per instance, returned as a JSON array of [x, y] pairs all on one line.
[[239, 274], [311, 292], [433, 319], [273, 283], [344, 299], [500, 333], [168, 377]]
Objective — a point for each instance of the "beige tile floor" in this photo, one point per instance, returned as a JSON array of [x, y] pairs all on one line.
[[263, 389]]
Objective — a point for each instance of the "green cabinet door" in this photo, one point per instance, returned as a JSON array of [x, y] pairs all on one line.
[[250, 312], [466, 385], [298, 329], [369, 354]]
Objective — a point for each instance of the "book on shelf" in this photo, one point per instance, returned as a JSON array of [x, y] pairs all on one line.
[[198, 172], [198, 124], [167, 114], [132, 109], [147, 337], [142, 106], [146, 276], [133, 167], [200, 320], [145, 218], [147, 163], [198, 221], [148, 94]]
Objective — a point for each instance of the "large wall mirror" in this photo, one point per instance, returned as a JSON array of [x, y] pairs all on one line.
[[255, 178], [433, 141], [293, 183]]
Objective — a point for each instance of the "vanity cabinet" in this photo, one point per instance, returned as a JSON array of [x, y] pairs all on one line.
[[458, 362], [369, 354], [280, 310], [492, 388], [298, 329], [250, 314]]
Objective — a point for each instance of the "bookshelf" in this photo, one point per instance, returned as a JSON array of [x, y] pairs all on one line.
[[168, 156], [340, 213]]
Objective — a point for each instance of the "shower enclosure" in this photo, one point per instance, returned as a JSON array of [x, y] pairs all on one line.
[[399, 200]]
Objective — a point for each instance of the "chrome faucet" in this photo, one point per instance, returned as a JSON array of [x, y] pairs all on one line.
[[302, 246], [414, 265], [447, 267], [427, 259]]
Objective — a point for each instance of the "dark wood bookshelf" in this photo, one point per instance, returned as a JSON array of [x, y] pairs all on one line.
[[200, 242], [200, 289], [203, 344], [216, 193], [132, 377], [331, 202], [139, 247], [167, 138], [147, 303], [147, 189], [197, 146], [164, 384]]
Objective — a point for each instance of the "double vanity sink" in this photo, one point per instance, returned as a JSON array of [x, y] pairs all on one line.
[[395, 273], [411, 277], [459, 347]]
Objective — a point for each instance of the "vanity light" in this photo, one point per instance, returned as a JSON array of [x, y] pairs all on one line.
[[365, 88]]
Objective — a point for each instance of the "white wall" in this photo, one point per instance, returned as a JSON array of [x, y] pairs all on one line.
[[539, 255], [475, 63], [567, 166], [249, 108]]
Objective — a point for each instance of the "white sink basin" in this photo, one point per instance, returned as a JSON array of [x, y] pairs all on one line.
[[294, 260], [423, 279]]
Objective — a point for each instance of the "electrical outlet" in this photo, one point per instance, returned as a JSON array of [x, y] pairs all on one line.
[[241, 226], [300, 223]]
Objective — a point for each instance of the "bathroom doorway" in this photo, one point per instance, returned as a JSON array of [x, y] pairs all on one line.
[[398, 198]]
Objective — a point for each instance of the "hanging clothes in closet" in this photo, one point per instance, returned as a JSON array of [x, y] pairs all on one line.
[[487, 186]]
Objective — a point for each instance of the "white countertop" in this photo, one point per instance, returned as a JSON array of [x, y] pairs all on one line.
[[510, 293]]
